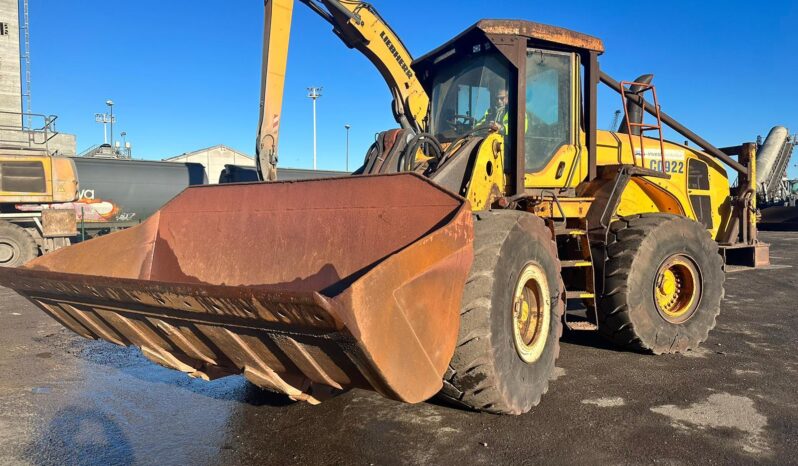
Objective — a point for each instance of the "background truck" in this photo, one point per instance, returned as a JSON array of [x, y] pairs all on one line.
[[497, 215], [30, 175]]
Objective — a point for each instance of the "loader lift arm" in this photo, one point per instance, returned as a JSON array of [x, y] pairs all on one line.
[[359, 26]]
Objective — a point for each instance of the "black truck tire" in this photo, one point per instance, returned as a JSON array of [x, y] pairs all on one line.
[[663, 284], [16, 245], [512, 309]]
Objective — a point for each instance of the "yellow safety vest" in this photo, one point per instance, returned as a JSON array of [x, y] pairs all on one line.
[[505, 121]]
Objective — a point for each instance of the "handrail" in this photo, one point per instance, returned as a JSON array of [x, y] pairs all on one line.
[[678, 127], [27, 135]]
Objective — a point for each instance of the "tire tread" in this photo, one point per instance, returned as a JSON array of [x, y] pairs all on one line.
[[472, 356], [627, 236]]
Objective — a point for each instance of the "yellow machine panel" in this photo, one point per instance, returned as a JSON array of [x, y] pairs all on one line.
[[23, 178], [487, 179], [699, 196], [37, 179]]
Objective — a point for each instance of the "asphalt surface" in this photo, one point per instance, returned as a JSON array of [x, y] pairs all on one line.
[[65, 400]]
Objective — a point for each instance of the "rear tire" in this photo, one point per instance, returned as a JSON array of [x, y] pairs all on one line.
[[663, 284], [511, 318], [16, 245]]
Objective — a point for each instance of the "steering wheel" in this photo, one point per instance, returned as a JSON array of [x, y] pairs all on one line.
[[458, 121]]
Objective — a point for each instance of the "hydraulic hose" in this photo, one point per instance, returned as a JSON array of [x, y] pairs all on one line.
[[420, 140]]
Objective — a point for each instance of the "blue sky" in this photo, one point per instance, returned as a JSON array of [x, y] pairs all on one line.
[[186, 74]]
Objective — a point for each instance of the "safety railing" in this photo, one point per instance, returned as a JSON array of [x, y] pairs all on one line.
[[14, 132], [638, 128]]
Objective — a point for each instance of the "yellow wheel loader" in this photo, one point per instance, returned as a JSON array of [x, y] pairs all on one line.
[[450, 263]]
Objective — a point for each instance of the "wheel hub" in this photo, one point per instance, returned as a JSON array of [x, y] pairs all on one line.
[[7, 253], [531, 313], [677, 289]]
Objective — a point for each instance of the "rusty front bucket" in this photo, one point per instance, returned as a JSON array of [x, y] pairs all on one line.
[[304, 287]]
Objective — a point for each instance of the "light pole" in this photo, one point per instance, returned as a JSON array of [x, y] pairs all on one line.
[[314, 93], [103, 118], [348, 127], [123, 134], [110, 104]]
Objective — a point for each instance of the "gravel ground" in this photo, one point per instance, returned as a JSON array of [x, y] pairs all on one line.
[[65, 400]]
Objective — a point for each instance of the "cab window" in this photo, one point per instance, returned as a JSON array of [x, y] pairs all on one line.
[[549, 77], [470, 94]]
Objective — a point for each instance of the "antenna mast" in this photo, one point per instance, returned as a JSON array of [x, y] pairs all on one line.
[[26, 62]]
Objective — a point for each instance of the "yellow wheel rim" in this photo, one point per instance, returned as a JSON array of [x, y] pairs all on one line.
[[677, 289], [531, 313]]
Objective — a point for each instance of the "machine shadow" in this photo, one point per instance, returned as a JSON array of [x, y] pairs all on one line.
[[81, 437], [589, 339]]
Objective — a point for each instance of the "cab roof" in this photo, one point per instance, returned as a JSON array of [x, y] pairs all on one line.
[[534, 31]]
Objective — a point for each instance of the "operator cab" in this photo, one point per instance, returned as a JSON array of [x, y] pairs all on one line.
[[520, 79]]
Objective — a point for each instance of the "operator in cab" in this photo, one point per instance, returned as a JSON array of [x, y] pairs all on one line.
[[496, 117]]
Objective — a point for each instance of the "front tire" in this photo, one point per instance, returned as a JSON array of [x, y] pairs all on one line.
[[511, 319], [16, 245], [663, 284]]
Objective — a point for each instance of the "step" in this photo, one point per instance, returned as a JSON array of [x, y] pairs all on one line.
[[576, 263], [572, 232], [645, 125], [581, 326], [579, 295]]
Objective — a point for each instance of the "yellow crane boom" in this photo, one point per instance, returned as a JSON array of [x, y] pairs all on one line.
[[359, 26]]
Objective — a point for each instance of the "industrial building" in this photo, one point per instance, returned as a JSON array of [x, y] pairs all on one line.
[[10, 79], [214, 160], [16, 128]]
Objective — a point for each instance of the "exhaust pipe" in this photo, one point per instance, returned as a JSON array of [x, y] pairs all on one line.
[[634, 110]]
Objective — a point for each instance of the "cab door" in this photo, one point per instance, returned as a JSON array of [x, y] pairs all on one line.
[[550, 139]]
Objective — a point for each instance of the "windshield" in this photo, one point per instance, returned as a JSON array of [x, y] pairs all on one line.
[[470, 94]]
